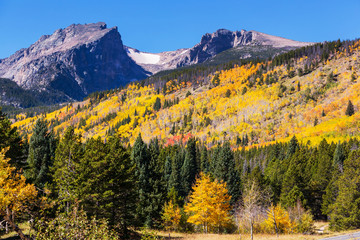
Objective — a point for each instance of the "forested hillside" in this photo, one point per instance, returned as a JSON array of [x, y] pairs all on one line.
[[304, 92], [265, 147]]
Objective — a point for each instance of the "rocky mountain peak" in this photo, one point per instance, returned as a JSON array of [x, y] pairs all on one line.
[[210, 45], [74, 61]]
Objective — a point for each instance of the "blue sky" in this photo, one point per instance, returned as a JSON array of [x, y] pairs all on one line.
[[156, 26]]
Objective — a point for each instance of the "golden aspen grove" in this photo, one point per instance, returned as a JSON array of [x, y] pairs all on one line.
[[15, 194], [266, 112], [258, 147]]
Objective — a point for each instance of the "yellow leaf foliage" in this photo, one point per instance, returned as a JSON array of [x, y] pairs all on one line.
[[15, 193], [261, 111], [171, 216], [278, 217], [208, 205]]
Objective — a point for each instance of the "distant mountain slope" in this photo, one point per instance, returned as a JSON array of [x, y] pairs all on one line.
[[75, 61], [304, 92], [246, 45], [81, 59]]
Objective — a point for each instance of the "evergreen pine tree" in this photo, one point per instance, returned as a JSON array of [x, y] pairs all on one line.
[[292, 147], [167, 172], [345, 211], [189, 167], [245, 140], [120, 187], [350, 109], [176, 165], [321, 176], [41, 155], [204, 161], [157, 104], [173, 129], [158, 185], [68, 155], [293, 179], [106, 183], [9, 137], [90, 177], [238, 141], [141, 158], [339, 157], [224, 169], [316, 121]]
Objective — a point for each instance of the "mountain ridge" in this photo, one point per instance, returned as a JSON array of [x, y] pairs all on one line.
[[303, 93], [80, 59], [209, 46], [77, 60]]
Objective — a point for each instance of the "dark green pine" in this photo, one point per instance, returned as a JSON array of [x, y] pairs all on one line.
[[42, 147], [141, 158], [189, 167], [293, 145], [10, 138], [350, 109], [68, 156]]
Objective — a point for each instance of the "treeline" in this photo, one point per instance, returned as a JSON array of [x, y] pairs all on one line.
[[317, 52], [28, 101]]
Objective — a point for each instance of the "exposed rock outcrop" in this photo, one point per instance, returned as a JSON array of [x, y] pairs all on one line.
[[74, 61], [210, 45]]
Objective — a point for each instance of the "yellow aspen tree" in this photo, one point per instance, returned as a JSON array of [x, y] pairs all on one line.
[[279, 220], [171, 215], [208, 205], [15, 193]]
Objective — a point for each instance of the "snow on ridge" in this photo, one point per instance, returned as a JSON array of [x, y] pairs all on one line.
[[143, 58]]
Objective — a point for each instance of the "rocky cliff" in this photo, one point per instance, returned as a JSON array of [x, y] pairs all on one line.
[[73, 62], [81, 59], [212, 44]]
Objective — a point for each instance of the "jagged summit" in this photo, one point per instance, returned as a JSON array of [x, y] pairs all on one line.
[[209, 46], [75, 34], [83, 58], [74, 62]]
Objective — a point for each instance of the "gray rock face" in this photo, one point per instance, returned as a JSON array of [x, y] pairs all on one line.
[[211, 45], [73, 62], [81, 59]]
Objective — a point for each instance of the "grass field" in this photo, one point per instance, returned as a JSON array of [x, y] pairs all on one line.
[[321, 229], [238, 237], [183, 236]]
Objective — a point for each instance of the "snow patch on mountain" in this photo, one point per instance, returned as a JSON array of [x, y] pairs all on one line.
[[143, 57]]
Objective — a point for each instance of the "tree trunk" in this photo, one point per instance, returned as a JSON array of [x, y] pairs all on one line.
[[276, 228], [9, 219], [275, 224], [251, 229]]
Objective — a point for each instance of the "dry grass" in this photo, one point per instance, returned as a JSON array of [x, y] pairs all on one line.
[[198, 236], [25, 227]]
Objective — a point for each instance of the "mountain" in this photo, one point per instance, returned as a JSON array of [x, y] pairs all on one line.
[[81, 59], [240, 45], [73, 62], [304, 92]]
